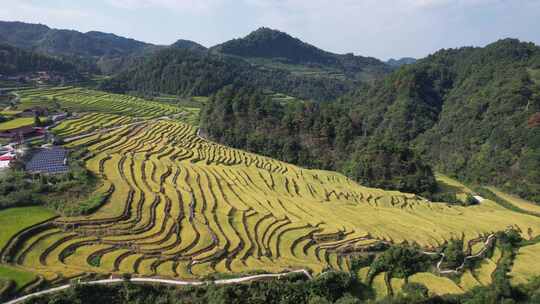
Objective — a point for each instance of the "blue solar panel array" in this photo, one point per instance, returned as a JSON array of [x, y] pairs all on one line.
[[48, 161]]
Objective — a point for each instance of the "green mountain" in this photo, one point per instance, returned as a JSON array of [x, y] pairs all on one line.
[[188, 44], [402, 61], [107, 52], [14, 60], [275, 49], [41, 38], [194, 73], [469, 112]]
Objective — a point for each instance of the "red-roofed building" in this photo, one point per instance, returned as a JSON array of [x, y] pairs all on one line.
[[7, 158]]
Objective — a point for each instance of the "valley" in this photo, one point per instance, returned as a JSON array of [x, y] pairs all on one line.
[[218, 160]]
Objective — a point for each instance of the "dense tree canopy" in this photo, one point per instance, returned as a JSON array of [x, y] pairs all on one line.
[[14, 60], [195, 73]]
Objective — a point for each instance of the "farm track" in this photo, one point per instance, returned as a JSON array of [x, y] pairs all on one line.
[[165, 282]]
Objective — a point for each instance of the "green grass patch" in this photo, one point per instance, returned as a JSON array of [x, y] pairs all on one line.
[[14, 220], [10, 112], [20, 277], [16, 123], [535, 75]]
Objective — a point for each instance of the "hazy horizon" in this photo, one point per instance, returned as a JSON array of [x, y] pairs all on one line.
[[382, 29]]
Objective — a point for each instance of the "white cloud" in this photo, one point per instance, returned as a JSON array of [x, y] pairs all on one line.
[[446, 3], [383, 28], [189, 6], [25, 10]]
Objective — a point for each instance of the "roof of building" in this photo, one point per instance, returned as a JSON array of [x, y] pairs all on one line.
[[53, 160]]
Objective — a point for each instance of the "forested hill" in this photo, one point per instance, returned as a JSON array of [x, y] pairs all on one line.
[[470, 112], [399, 62], [14, 60], [105, 51], [280, 49], [41, 38], [194, 73], [188, 44], [268, 59]]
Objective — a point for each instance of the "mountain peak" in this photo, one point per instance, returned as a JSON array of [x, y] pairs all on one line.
[[189, 45], [268, 32], [273, 44]]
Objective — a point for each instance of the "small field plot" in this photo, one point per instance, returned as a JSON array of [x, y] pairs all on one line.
[[379, 285], [16, 123], [526, 264], [517, 201], [436, 285], [451, 186], [20, 277], [535, 74], [14, 220]]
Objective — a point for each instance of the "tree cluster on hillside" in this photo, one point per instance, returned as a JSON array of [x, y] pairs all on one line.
[[14, 61], [317, 135], [470, 112], [466, 110], [186, 72]]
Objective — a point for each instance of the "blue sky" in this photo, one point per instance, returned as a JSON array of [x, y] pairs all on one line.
[[379, 28]]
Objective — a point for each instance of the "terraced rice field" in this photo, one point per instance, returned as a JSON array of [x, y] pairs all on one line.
[[436, 285], [91, 122], [20, 277], [83, 100], [182, 206], [526, 264], [487, 267], [16, 123], [516, 201], [14, 220]]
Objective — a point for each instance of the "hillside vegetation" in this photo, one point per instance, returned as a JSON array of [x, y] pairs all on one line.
[[284, 51], [194, 73], [315, 135], [469, 112], [91, 50], [14, 61]]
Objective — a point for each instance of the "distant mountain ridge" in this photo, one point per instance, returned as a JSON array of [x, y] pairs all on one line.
[[103, 49], [15, 60], [268, 43], [189, 45], [267, 58], [282, 48], [194, 73], [402, 61], [110, 53], [41, 38]]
